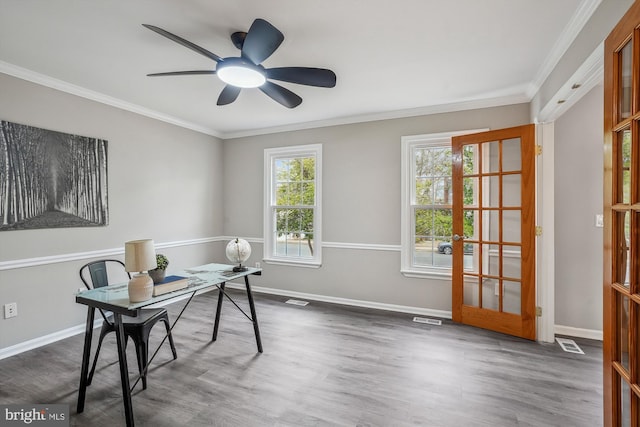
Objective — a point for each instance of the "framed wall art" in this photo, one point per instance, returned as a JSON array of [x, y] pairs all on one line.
[[51, 179]]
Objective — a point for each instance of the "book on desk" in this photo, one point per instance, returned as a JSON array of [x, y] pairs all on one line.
[[170, 284]]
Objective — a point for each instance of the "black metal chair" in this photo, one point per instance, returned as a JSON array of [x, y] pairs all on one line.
[[94, 275]]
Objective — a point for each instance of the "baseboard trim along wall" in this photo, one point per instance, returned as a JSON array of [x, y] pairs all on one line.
[[69, 332], [346, 301], [591, 334]]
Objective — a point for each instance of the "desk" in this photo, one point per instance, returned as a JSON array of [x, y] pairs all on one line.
[[115, 298]]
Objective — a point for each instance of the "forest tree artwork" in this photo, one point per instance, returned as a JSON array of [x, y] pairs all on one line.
[[51, 179]]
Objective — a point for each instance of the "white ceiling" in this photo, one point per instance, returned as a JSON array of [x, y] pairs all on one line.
[[391, 58]]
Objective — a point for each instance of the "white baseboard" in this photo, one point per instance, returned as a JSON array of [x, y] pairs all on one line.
[[346, 301], [443, 314], [47, 339], [591, 334]]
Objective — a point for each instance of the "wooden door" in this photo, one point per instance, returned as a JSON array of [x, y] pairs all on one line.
[[494, 230], [621, 298]]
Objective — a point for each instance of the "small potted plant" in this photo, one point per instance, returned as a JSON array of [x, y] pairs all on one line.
[[158, 273]]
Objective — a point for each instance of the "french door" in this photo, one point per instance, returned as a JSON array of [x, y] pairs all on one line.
[[621, 298], [494, 230]]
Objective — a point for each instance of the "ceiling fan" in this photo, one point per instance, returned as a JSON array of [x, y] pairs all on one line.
[[246, 71]]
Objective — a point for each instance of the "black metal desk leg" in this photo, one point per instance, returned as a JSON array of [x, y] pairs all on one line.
[[254, 318], [124, 370], [218, 310], [86, 355]]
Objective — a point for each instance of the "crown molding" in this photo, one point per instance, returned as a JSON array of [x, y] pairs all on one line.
[[387, 115], [568, 35], [53, 83]]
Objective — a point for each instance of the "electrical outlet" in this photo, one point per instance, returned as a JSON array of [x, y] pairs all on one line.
[[10, 310], [257, 265]]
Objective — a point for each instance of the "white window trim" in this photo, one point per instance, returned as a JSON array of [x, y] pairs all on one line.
[[408, 143], [270, 154]]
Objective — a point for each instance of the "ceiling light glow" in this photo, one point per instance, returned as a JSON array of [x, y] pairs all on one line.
[[240, 73]]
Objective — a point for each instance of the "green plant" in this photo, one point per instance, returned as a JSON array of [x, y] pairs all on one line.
[[162, 262]]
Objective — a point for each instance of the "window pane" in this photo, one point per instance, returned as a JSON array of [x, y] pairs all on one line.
[[424, 189], [432, 243]]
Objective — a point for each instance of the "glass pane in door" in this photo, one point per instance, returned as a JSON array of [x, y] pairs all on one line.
[[491, 157], [511, 155], [471, 291], [624, 81], [623, 330], [623, 166], [511, 297], [625, 403]]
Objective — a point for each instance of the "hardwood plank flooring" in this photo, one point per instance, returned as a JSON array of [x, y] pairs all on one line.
[[323, 365]]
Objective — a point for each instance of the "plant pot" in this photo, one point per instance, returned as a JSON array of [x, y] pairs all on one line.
[[157, 275]]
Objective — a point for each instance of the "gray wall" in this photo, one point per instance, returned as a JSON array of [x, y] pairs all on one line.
[[578, 198], [165, 183], [361, 205]]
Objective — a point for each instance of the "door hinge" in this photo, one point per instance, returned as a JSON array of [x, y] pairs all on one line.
[[538, 311], [538, 150], [538, 230]]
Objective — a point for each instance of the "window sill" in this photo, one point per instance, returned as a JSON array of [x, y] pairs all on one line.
[[292, 263], [422, 274]]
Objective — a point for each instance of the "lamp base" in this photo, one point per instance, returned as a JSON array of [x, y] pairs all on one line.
[[239, 268], [140, 287]]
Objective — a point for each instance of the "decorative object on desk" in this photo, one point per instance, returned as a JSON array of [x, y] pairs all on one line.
[[140, 256], [158, 273], [170, 284], [238, 251]]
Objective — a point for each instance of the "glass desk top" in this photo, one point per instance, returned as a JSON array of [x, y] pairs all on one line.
[[116, 297]]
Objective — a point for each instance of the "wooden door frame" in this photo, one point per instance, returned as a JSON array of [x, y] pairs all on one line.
[[617, 38]]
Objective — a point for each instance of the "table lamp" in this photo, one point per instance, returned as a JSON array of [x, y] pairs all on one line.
[[140, 257]]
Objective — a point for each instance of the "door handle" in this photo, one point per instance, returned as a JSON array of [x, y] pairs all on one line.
[[456, 237]]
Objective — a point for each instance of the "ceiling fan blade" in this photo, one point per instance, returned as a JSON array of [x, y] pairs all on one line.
[[304, 76], [183, 42], [280, 94], [228, 95], [261, 41], [182, 73]]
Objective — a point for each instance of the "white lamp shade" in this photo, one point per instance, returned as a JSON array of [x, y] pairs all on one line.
[[139, 255]]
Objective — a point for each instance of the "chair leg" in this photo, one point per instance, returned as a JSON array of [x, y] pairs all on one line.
[[142, 354], [103, 331], [173, 347]]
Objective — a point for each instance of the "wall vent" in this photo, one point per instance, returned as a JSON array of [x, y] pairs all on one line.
[[569, 346], [428, 321], [296, 302]]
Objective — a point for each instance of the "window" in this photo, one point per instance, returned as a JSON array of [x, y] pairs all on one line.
[[427, 198], [292, 205]]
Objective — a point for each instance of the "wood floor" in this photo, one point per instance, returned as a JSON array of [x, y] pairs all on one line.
[[323, 365]]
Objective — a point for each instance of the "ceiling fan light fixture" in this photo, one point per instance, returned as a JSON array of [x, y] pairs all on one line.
[[240, 73]]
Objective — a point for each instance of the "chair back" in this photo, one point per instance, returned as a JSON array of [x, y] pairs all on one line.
[[95, 274]]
